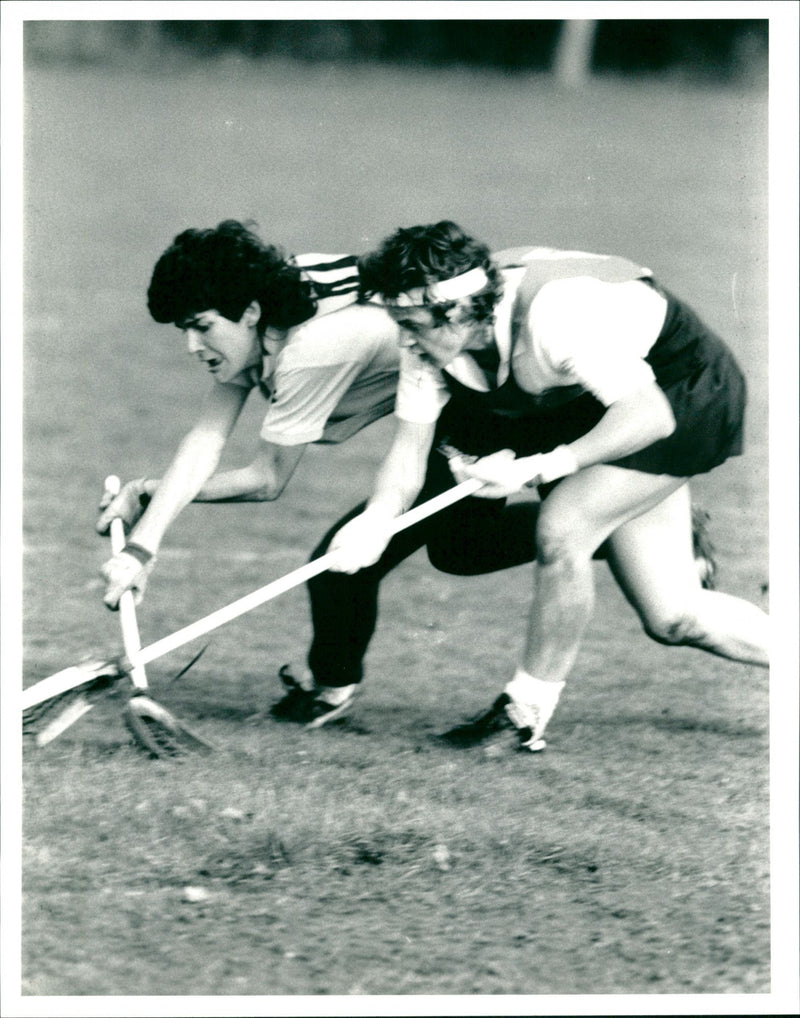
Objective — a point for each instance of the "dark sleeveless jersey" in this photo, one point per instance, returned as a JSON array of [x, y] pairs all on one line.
[[693, 366], [673, 356]]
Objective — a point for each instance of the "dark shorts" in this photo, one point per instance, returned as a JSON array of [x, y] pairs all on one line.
[[697, 373], [709, 409]]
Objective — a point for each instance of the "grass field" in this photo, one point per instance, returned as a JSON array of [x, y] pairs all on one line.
[[632, 857]]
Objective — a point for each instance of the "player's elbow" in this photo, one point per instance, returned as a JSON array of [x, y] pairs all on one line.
[[266, 494], [267, 489], [267, 482]]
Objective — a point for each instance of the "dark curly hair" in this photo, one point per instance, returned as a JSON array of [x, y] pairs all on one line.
[[423, 255], [226, 268]]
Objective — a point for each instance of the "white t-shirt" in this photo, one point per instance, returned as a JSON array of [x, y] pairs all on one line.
[[578, 331], [335, 373]]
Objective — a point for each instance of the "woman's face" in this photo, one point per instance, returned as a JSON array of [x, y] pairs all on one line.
[[226, 348], [435, 340]]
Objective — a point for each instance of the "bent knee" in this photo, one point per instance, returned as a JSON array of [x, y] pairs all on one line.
[[559, 543], [673, 628]]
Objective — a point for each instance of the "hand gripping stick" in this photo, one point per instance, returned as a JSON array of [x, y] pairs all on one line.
[[68, 678], [127, 608]]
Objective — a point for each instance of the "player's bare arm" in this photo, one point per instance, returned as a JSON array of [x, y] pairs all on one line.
[[361, 542], [263, 480], [631, 423], [195, 461], [402, 473]]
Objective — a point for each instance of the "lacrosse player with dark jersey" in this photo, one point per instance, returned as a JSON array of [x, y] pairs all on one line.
[[580, 375], [477, 535]]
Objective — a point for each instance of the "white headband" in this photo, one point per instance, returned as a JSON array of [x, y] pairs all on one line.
[[443, 291]]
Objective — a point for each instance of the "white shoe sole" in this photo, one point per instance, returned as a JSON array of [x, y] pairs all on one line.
[[331, 715]]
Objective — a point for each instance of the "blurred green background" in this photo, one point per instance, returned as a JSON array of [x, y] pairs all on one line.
[[724, 49]]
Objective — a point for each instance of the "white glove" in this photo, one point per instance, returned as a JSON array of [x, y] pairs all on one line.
[[362, 541], [503, 474], [125, 572], [500, 473], [129, 505]]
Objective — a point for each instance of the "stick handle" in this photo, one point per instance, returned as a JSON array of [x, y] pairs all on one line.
[[293, 579], [74, 676], [61, 682], [131, 640]]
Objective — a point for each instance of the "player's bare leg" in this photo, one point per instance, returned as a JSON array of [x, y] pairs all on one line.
[[573, 522], [651, 558]]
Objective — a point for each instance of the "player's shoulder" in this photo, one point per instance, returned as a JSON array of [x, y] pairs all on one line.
[[350, 333], [580, 286], [513, 257], [569, 290]]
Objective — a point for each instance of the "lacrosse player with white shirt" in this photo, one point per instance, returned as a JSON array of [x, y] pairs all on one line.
[[590, 382], [256, 320]]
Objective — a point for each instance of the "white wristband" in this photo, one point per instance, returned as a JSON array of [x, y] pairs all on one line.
[[560, 462]]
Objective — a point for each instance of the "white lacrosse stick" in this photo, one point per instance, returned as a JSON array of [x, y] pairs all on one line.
[[154, 727], [69, 678], [83, 701], [127, 608]]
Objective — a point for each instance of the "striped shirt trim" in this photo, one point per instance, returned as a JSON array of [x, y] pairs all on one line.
[[348, 261], [337, 287]]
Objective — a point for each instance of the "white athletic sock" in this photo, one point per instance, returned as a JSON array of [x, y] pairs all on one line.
[[334, 695], [532, 701]]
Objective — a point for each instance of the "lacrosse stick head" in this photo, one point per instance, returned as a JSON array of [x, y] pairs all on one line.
[[88, 682], [157, 731]]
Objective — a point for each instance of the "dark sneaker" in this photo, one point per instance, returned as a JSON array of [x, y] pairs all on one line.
[[304, 706], [494, 723], [704, 551], [294, 706]]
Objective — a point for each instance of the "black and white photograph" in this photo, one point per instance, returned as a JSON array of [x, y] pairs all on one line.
[[374, 643]]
